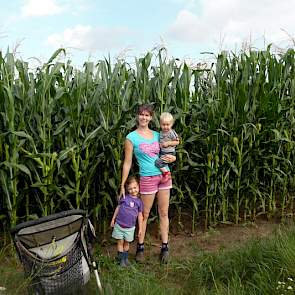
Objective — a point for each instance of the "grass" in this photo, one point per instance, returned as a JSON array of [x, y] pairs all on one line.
[[255, 268], [11, 274]]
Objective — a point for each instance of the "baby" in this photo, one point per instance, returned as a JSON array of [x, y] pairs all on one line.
[[168, 141]]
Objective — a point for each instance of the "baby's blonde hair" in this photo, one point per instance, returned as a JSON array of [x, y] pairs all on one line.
[[166, 117]]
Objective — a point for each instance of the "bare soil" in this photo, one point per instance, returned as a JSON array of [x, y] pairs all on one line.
[[185, 244]]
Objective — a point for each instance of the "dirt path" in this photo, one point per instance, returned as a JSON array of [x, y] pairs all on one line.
[[183, 244]]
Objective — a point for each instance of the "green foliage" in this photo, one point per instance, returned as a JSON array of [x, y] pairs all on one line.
[[62, 132]]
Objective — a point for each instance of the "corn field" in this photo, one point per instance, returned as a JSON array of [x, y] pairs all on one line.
[[62, 132]]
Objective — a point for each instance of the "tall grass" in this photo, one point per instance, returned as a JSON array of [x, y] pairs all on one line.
[[62, 133]]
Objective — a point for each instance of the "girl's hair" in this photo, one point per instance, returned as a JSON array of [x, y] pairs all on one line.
[[166, 117], [145, 108], [131, 179]]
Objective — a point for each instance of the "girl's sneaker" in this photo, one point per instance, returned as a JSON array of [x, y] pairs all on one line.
[[121, 259], [125, 258]]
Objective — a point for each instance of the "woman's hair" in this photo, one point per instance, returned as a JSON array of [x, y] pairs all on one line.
[[131, 179], [145, 108], [166, 117]]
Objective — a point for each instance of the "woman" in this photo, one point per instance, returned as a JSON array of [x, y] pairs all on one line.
[[144, 142]]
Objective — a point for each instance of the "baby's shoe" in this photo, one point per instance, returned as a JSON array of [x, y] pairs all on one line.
[[166, 176]]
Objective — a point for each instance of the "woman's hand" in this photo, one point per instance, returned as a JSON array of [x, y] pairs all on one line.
[[112, 222], [122, 192], [165, 144], [168, 158]]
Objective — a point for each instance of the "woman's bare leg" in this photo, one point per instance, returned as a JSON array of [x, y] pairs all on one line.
[[148, 201], [163, 207]]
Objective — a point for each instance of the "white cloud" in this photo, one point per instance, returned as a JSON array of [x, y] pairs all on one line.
[[77, 7], [40, 8], [186, 4], [89, 38], [235, 21]]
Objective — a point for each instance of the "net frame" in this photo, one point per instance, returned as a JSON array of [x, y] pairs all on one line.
[[64, 272]]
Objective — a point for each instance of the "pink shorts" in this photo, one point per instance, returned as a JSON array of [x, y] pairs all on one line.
[[152, 184]]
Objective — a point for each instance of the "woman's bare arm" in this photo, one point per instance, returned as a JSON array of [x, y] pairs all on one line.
[[128, 148]]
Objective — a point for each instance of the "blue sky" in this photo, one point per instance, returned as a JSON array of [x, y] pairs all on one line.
[[94, 29]]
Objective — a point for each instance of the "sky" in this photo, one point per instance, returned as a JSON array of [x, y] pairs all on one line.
[[90, 30]]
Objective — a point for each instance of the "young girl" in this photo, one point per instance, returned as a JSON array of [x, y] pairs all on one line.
[[129, 209]]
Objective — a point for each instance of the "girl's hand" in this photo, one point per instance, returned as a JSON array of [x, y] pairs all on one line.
[[112, 223], [169, 158]]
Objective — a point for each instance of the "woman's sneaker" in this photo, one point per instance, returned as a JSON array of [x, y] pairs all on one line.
[[164, 255], [139, 257]]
